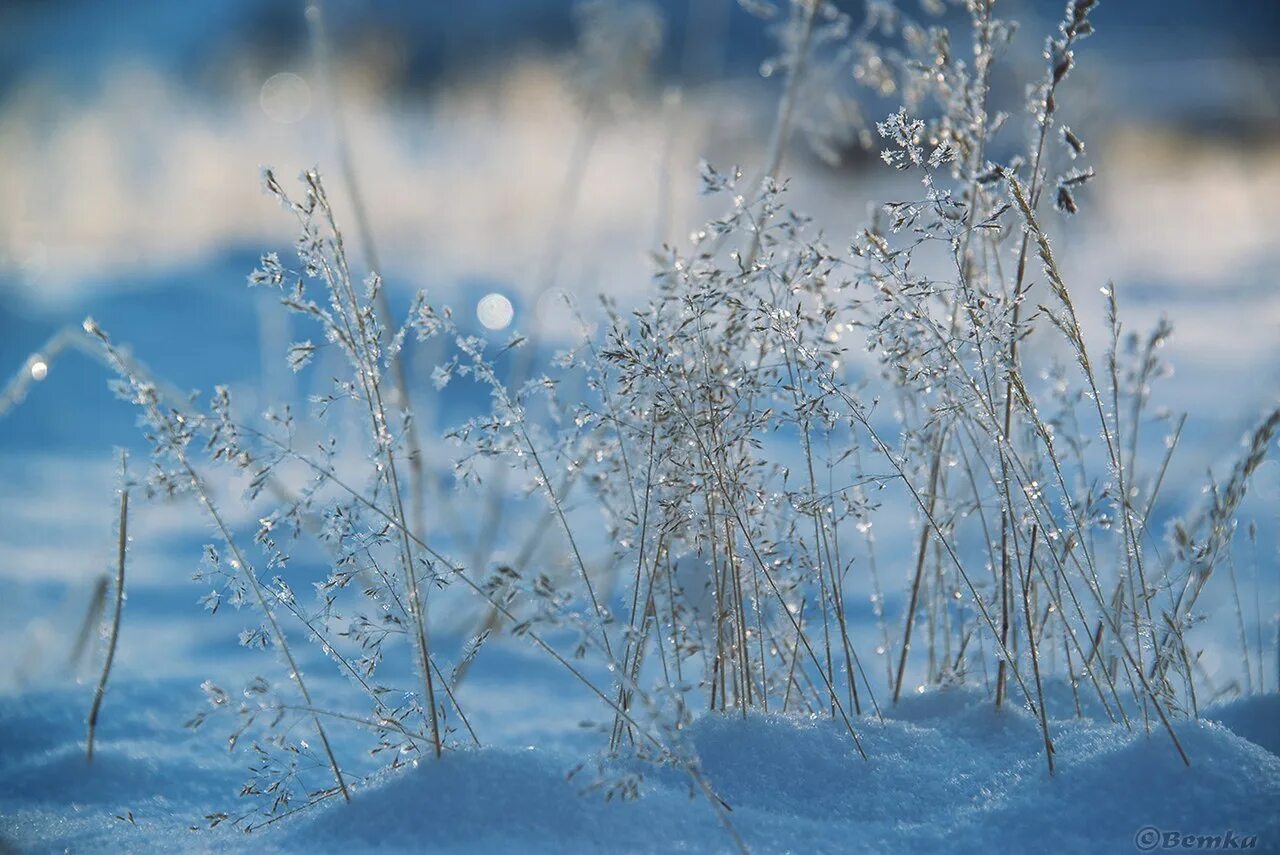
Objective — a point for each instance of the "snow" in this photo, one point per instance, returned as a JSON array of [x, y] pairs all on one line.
[[946, 771]]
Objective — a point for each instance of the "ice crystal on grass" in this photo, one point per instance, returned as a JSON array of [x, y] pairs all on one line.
[[741, 436]]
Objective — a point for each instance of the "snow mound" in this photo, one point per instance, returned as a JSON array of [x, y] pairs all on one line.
[[945, 772]]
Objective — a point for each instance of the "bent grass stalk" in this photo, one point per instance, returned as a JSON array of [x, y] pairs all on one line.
[[114, 635], [92, 620]]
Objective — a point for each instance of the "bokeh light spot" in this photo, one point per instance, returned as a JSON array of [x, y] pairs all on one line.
[[285, 98], [495, 311]]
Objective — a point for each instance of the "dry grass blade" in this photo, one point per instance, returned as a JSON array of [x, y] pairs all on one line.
[[114, 635]]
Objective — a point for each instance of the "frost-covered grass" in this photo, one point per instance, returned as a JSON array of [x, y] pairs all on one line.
[[707, 473]]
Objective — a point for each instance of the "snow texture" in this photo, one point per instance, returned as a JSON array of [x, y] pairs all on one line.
[[946, 772]]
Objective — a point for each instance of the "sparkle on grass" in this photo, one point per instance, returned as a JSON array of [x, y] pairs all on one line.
[[39, 369], [495, 311]]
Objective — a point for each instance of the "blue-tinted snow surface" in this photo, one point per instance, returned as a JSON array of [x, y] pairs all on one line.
[[946, 772]]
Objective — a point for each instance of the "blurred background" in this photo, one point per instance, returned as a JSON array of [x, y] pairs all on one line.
[[508, 150]]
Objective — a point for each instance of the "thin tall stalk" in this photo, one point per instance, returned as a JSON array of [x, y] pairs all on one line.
[[315, 15], [1027, 583], [114, 636]]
